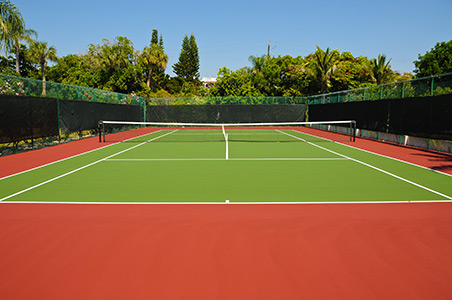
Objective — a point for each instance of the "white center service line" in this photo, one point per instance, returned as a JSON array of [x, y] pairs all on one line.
[[241, 159], [84, 167], [368, 165]]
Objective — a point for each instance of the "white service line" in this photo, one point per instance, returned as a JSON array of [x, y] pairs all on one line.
[[241, 159], [84, 167], [370, 166]]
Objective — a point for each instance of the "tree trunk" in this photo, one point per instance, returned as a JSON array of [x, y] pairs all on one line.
[[43, 79], [17, 60], [148, 81]]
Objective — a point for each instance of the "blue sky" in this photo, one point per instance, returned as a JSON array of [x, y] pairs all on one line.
[[228, 32]]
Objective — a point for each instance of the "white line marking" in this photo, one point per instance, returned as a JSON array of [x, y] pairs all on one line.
[[370, 166], [223, 124], [222, 202], [378, 154], [227, 145], [73, 156], [216, 159], [81, 168]]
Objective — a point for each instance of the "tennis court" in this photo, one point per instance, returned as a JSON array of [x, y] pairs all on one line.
[[257, 165], [226, 213]]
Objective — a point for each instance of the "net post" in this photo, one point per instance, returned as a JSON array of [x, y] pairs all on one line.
[[353, 128], [99, 129]]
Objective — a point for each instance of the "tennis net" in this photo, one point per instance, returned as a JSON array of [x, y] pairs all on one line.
[[118, 131]]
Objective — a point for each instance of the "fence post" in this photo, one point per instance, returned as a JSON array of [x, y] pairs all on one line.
[[431, 86], [143, 108], [403, 90], [58, 115], [381, 92]]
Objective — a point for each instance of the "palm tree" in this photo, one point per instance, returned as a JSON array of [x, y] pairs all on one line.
[[40, 53], [324, 66], [258, 62], [260, 65], [381, 70], [11, 21], [12, 29], [153, 57], [17, 37]]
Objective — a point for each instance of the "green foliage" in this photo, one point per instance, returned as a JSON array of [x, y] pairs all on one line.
[[26, 67], [237, 83], [114, 64], [75, 70], [187, 67], [352, 73], [436, 61]]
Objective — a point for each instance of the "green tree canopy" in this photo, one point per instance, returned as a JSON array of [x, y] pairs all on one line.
[[436, 61], [115, 62], [234, 83], [75, 70]]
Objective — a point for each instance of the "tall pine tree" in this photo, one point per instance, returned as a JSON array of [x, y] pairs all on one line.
[[187, 68]]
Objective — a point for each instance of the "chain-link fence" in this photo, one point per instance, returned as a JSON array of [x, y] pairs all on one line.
[[421, 87], [18, 86]]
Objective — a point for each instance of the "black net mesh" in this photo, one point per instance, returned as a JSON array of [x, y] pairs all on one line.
[[226, 113]]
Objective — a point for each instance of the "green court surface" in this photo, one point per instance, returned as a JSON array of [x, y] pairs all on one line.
[[201, 167]]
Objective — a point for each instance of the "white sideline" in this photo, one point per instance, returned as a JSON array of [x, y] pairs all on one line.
[[223, 202], [370, 166], [83, 167], [378, 154], [73, 156]]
